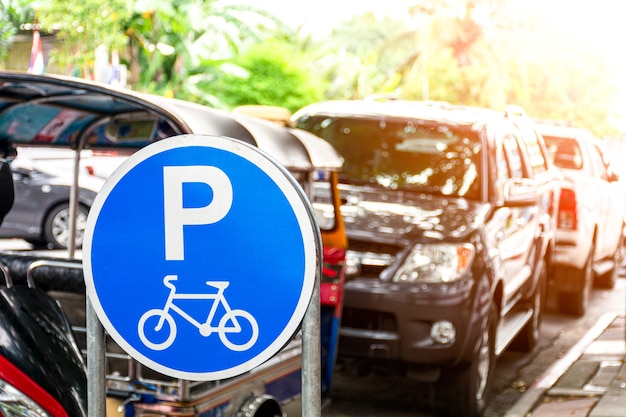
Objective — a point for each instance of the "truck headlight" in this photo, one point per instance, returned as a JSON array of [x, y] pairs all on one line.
[[439, 263]]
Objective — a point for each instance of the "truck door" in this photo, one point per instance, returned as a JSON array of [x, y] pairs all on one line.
[[517, 239]]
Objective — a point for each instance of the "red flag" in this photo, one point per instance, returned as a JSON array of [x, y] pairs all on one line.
[[36, 55]]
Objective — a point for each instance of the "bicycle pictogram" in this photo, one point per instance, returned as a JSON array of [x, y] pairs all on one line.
[[228, 324]]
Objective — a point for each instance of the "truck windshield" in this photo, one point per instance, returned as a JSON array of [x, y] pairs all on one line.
[[404, 154]]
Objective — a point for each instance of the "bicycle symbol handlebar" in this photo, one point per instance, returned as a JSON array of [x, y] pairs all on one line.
[[162, 325]]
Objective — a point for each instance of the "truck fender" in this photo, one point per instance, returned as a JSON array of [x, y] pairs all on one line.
[[259, 406]]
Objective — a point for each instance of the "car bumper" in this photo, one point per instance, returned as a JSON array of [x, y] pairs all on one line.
[[571, 249], [393, 322]]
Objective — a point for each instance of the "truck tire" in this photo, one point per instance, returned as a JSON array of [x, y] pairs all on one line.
[[464, 391], [528, 337], [576, 303]]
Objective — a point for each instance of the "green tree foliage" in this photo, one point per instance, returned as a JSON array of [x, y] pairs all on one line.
[[570, 79], [177, 48], [356, 59], [82, 25], [478, 52], [457, 57], [173, 48], [13, 13], [271, 73], [488, 53]]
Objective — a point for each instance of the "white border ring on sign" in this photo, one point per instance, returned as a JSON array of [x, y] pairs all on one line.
[[293, 193]]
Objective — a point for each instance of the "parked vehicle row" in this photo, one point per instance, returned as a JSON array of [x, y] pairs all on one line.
[[459, 221]]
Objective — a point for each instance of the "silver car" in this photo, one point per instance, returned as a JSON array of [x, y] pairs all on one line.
[[43, 178]]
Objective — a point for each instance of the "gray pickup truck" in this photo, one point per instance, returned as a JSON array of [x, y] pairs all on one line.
[[449, 241]]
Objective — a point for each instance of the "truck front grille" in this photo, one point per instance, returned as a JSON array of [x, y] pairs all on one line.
[[357, 318]]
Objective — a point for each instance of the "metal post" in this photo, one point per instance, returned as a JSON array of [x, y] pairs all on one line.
[[311, 343], [96, 377], [73, 206]]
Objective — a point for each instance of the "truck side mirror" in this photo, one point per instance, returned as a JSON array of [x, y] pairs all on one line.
[[520, 192], [7, 193]]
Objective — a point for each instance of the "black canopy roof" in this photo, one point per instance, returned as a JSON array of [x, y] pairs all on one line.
[[48, 110]]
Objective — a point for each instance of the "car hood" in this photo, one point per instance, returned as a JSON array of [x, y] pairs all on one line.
[[394, 214]]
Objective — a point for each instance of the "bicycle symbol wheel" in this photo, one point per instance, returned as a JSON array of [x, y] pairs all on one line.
[[166, 331], [230, 325]]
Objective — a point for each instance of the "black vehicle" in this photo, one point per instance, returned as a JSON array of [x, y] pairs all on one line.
[[42, 372], [448, 242]]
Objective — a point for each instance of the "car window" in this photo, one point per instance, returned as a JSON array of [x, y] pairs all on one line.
[[599, 165], [564, 152], [399, 153], [502, 166], [513, 156], [538, 163]]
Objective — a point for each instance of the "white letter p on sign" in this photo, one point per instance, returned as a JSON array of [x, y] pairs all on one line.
[[177, 216]]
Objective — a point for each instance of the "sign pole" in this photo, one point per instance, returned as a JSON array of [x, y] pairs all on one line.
[[220, 178], [96, 379], [311, 356]]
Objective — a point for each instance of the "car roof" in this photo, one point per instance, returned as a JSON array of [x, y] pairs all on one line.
[[404, 109], [100, 101], [562, 131]]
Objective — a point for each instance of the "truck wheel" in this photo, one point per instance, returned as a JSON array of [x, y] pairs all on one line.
[[56, 228], [464, 391], [576, 303], [528, 337], [608, 280]]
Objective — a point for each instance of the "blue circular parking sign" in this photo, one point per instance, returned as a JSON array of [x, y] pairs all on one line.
[[199, 256]]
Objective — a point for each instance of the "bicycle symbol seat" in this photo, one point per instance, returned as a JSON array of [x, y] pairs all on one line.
[[228, 324]]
